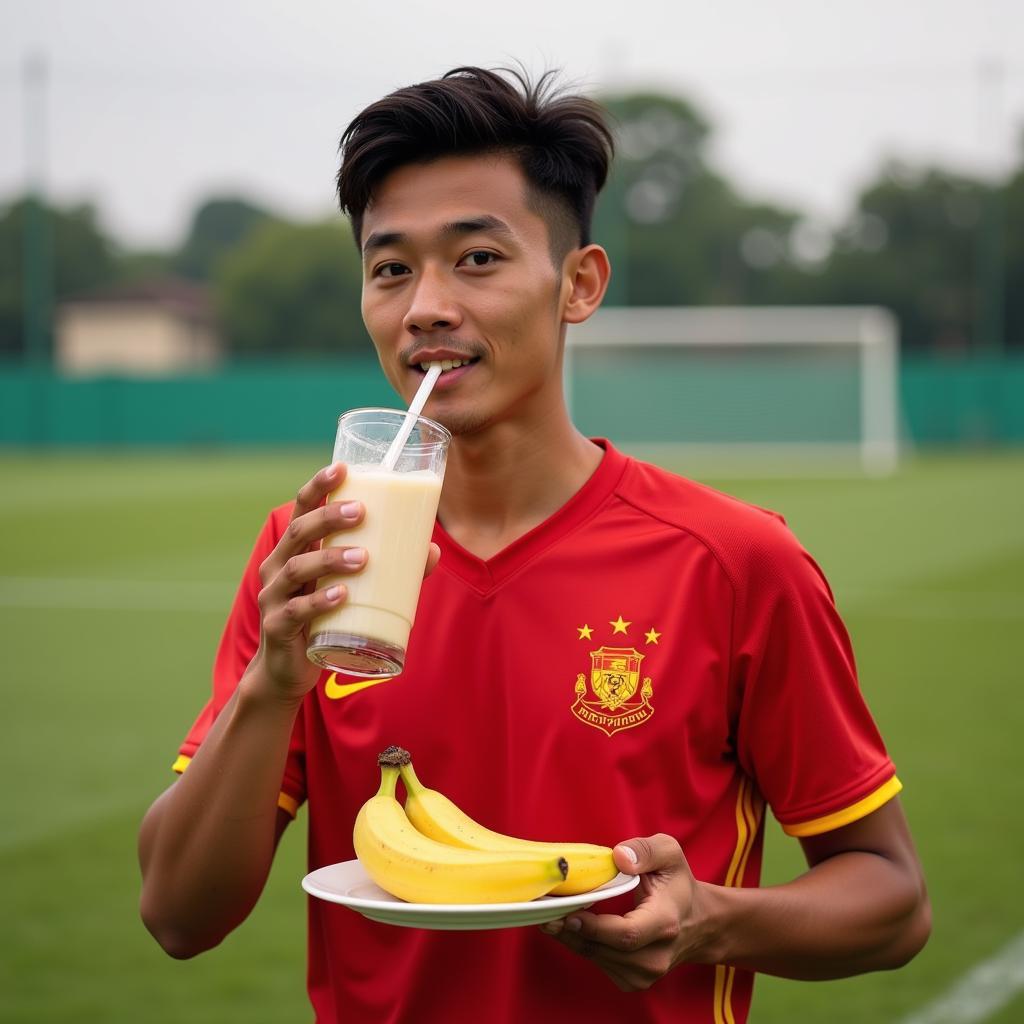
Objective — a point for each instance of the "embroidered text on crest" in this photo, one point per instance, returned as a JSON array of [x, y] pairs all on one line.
[[614, 681]]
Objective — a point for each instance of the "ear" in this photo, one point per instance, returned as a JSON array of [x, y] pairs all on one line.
[[587, 272]]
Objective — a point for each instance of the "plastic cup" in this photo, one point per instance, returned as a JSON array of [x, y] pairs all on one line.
[[368, 633]]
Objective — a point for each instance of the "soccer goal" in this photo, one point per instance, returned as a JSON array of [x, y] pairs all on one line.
[[772, 388]]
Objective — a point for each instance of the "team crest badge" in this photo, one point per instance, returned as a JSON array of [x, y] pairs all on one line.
[[617, 695]]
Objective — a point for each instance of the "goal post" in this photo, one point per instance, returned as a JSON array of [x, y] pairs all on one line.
[[810, 385]]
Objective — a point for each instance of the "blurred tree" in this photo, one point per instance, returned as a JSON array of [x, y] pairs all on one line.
[[676, 231], [912, 244], [144, 264], [1013, 233], [83, 258], [942, 250], [218, 226], [292, 289]]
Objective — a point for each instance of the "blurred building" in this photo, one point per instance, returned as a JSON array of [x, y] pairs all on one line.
[[150, 328]]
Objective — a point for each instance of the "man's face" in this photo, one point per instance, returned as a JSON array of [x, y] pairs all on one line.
[[457, 267]]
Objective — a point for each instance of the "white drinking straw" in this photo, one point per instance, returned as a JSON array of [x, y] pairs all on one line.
[[415, 408]]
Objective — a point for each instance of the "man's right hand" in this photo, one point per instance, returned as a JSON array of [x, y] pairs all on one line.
[[289, 600]]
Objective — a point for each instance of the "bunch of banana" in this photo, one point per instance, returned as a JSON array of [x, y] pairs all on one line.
[[416, 868], [435, 815], [431, 852]]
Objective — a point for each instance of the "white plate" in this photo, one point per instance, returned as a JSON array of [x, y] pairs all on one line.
[[347, 883]]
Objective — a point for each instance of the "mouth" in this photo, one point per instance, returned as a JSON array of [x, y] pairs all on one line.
[[452, 370]]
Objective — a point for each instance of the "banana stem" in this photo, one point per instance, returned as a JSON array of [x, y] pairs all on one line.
[[388, 780], [413, 786]]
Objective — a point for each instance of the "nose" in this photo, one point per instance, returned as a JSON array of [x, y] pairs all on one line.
[[432, 307]]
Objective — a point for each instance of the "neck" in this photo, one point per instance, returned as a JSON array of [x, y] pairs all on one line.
[[502, 482]]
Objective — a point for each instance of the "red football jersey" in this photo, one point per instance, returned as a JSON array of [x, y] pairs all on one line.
[[655, 657]]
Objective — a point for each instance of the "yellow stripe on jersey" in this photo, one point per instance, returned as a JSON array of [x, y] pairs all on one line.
[[287, 803], [742, 833], [848, 815], [720, 973], [749, 808], [730, 977], [755, 808]]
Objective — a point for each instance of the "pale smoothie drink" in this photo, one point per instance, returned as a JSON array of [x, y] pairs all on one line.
[[367, 634]]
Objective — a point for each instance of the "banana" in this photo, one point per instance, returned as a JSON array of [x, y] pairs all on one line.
[[436, 816], [416, 868]]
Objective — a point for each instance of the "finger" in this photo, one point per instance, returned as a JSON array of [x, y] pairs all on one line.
[[306, 530], [289, 619], [571, 939], [433, 557], [616, 965], [652, 854], [312, 493], [303, 570], [618, 976], [321, 522], [655, 920]]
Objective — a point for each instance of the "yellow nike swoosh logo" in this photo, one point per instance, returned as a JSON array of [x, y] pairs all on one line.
[[335, 690]]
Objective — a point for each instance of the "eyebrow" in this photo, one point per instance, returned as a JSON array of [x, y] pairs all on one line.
[[470, 226]]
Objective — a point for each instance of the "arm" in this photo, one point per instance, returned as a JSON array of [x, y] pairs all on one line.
[[206, 844], [861, 906]]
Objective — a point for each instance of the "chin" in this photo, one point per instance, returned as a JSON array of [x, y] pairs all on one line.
[[459, 421]]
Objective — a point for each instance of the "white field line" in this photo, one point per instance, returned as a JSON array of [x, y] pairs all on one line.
[[114, 595], [981, 992]]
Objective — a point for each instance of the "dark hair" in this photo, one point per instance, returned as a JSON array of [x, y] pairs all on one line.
[[562, 142]]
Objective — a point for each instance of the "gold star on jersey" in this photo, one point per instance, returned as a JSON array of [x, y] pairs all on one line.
[[619, 695]]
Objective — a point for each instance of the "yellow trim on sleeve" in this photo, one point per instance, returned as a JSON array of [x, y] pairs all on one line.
[[861, 809], [284, 801], [288, 803]]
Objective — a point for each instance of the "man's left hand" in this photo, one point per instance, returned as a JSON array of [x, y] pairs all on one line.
[[665, 927]]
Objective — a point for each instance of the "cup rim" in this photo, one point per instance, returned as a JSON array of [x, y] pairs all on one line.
[[445, 434]]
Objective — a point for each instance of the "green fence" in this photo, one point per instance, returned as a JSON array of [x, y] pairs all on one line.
[[943, 402], [272, 404], [963, 402]]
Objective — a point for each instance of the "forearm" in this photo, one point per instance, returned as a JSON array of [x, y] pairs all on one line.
[[207, 844], [855, 912]]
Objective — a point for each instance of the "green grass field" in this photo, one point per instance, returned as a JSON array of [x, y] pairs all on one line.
[[116, 571]]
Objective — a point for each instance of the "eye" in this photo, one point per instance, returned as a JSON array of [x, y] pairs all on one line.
[[479, 258], [391, 270]]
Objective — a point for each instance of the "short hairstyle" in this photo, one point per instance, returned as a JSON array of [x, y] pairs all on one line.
[[561, 142]]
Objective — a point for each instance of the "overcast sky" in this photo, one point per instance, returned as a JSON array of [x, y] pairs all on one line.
[[153, 105]]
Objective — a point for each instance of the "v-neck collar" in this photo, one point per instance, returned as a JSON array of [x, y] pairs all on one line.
[[486, 574]]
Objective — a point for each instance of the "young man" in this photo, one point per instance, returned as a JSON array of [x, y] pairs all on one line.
[[605, 652]]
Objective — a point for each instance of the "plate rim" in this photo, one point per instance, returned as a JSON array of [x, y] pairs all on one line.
[[617, 886]]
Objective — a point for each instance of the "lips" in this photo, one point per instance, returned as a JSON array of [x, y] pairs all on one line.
[[449, 378], [446, 364], [454, 365]]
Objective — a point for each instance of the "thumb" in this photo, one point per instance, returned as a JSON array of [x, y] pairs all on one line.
[[643, 856], [433, 557]]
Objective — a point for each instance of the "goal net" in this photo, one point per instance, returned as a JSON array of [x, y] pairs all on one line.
[[766, 388]]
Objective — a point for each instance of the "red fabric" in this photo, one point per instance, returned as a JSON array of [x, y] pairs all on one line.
[[743, 691]]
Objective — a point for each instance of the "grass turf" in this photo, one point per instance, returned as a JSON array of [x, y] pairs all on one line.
[[115, 572]]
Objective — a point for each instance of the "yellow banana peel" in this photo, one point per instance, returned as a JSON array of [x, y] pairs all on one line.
[[439, 818], [414, 867]]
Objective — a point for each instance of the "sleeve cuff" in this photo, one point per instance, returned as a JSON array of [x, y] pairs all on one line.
[[287, 803], [861, 809]]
